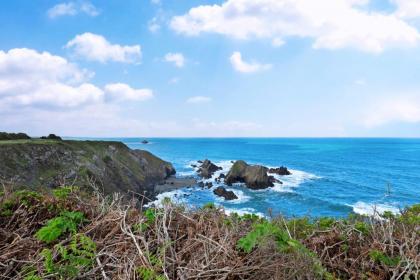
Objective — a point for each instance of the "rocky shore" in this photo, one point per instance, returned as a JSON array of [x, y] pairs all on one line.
[[252, 176]]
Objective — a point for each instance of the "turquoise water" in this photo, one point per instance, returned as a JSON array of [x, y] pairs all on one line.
[[331, 177]]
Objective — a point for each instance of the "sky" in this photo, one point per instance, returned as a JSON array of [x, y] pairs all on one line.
[[206, 68]]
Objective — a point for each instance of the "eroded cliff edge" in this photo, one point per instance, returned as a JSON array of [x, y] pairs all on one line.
[[112, 166]]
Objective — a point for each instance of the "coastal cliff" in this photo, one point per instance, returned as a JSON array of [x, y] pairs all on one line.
[[111, 166]]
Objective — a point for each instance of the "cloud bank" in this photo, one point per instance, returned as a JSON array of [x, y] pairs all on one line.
[[330, 24]]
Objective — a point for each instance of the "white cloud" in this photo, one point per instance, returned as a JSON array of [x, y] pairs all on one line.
[[95, 47], [155, 2], [123, 92], [331, 24], [89, 9], [154, 25], [407, 8], [28, 77], [397, 109], [246, 67], [33, 79], [177, 59], [72, 9], [277, 42], [198, 99]]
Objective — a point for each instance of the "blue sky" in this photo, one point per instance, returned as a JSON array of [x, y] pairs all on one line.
[[305, 68]]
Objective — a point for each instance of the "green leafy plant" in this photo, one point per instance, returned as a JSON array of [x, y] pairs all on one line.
[[325, 223], [300, 227], [71, 259], [28, 198], [149, 274], [382, 258], [209, 206], [261, 232], [411, 215], [64, 192], [66, 222], [29, 272], [362, 227]]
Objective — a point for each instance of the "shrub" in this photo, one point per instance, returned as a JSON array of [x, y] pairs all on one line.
[[149, 274], [71, 259], [64, 192], [209, 206], [382, 258], [260, 234], [362, 227], [66, 222], [325, 223]]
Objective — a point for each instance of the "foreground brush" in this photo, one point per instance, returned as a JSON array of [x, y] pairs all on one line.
[[70, 234]]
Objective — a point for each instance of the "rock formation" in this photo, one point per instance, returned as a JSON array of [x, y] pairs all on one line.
[[254, 176], [228, 195]]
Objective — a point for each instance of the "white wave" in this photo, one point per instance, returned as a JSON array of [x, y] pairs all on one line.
[[242, 197], [373, 209], [294, 180], [176, 196], [189, 173], [243, 211]]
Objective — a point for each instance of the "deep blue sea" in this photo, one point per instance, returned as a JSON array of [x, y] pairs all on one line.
[[330, 176]]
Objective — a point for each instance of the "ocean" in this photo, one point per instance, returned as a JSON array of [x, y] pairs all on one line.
[[330, 176]]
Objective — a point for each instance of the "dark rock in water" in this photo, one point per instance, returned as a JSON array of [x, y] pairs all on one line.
[[228, 195], [254, 176], [200, 161], [52, 137], [209, 185], [145, 142], [194, 166], [207, 169], [221, 176], [13, 136], [201, 184], [282, 171], [47, 163]]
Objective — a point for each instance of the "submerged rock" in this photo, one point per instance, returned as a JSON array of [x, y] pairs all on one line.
[[207, 169], [228, 195], [254, 176], [282, 171], [145, 142]]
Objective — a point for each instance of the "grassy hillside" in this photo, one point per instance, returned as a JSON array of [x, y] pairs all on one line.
[[72, 235], [110, 165]]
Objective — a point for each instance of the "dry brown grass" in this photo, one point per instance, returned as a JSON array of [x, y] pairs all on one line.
[[201, 244]]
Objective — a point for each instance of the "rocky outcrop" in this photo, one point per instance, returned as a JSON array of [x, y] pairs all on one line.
[[52, 137], [112, 166], [207, 169], [228, 195], [282, 171], [254, 176]]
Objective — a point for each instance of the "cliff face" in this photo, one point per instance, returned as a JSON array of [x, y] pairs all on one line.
[[111, 165]]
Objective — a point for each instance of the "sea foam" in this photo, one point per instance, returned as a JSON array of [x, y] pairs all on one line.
[[294, 180], [373, 209]]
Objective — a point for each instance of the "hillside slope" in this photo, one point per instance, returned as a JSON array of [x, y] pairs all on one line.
[[112, 166]]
